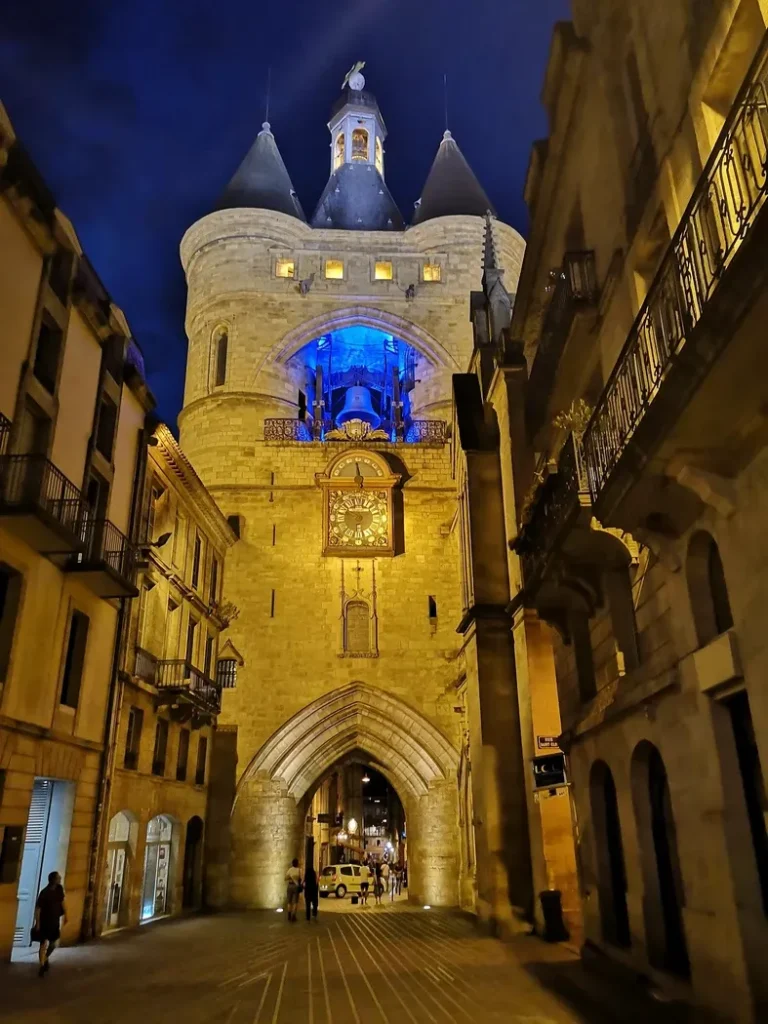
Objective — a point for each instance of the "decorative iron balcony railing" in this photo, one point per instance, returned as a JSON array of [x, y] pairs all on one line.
[[105, 545], [5, 433], [145, 666], [574, 288], [182, 677], [557, 501], [286, 429], [717, 222], [30, 483], [414, 431]]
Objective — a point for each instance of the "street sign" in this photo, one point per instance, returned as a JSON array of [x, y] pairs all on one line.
[[547, 741], [549, 771], [324, 819]]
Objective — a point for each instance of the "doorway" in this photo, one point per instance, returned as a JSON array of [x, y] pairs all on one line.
[[46, 842], [609, 853], [118, 861], [192, 880], [663, 896], [157, 868]]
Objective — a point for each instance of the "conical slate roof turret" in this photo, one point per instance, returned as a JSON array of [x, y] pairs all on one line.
[[262, 182], [451, 187]]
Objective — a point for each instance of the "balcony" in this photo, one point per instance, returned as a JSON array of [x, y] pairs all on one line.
[[178, 681], [431, 432], [5, 433], [685, 383], [557, 505], [40, 505], [573, 293], [107, 562]]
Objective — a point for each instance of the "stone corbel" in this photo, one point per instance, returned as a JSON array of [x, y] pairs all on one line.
[[625, 538], [664, 550], [718, 492]]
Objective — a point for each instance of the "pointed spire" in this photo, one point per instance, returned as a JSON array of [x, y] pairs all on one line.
[[261, 181], [451, 187]]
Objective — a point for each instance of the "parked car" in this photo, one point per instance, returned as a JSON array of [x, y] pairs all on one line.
[[340, 879]]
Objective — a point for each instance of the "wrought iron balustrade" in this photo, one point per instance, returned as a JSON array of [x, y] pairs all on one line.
[[5, 433], [179, 675], [574, 289], [146, 665], [105, 545], [283, 428], [558, 499], [725, 204], [30, 483]]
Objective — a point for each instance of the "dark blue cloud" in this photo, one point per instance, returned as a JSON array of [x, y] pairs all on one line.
[[137, 112]]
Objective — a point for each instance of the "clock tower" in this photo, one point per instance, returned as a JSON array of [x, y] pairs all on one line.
[[318, 412]]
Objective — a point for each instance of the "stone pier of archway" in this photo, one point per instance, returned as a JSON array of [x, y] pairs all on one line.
[[273, 795]]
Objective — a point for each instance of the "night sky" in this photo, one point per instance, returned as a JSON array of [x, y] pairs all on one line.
[[137, 113]]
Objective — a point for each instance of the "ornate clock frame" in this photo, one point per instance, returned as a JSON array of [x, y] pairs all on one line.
[[361, 482]]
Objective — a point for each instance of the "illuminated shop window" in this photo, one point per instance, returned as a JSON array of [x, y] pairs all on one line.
[[432, 272], [359, 144], [285, 268], [338, 158], [382, 271], [334, 270]]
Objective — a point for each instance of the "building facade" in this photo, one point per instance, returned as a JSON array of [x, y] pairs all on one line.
[[318, 412], [72, 413], [173, 667], [640, 473]]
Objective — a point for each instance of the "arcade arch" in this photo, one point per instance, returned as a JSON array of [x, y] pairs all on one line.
[[358, 720]]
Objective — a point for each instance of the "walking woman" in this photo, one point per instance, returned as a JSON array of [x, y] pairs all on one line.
[[293, 878], [49, 910], [311, 892], [378, 885]]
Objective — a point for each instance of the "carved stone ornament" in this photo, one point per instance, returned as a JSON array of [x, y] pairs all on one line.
[[356, 430]]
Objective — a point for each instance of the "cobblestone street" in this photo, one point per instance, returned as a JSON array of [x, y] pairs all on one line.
[[390, 964]]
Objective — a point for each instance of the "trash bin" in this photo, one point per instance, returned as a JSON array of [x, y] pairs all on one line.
[[355, 898], [552, 910]]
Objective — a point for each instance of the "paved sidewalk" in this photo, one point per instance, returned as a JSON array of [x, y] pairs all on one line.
[[378, 964]]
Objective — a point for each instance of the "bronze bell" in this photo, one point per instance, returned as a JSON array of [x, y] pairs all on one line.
[[358, 406]]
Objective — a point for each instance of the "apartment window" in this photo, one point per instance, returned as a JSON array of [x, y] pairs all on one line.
[[155, 495], [191, 640], [382, 270], [183, 756], [213, 593], [226, 673], [60, 274], [74, 660], [180, 542], [707, 588], [285, 268], [220, 349], [208, 659], [334, 270], [133, 738], [202, 753], [105, 431], [432, 272], [196, 556], [161, 747], [47, 354], [10, 597]]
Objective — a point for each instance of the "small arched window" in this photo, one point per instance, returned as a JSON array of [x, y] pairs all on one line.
[[379, 157], [359, 144], [220, 347], [338, 157], [707, 588], [357, 628]]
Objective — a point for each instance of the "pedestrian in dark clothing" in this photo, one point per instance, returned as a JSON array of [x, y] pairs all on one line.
[[49, 911], [311, 892]]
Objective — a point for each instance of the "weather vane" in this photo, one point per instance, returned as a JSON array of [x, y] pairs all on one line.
[[353, 78]]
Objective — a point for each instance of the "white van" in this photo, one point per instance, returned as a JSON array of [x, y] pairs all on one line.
[[340, 879]]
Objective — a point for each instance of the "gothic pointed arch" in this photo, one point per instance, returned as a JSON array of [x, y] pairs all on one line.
[[356, 717]]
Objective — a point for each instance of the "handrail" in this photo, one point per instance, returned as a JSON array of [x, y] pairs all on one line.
[[32, 480], [180, 674], [724, 206], [104, 543]]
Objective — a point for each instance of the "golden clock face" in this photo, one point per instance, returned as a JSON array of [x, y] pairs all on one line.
[[358, 519]]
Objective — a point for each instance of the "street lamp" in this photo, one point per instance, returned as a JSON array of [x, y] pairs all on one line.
[[366, 777]]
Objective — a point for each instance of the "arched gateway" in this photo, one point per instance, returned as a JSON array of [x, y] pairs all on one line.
[[275, 789]]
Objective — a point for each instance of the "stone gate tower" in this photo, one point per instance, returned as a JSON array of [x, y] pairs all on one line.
[[318, 412]]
